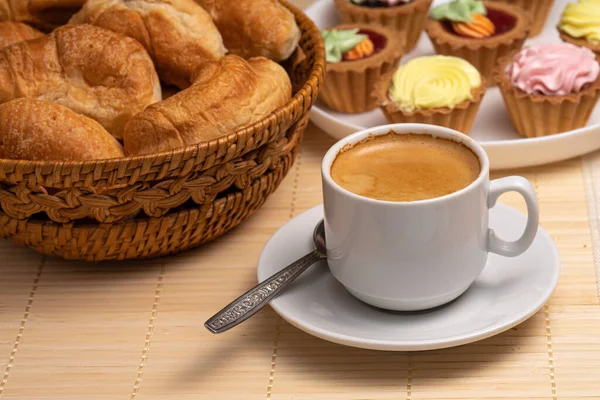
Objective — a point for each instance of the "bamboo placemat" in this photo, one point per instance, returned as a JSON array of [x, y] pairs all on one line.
[[134, 330], [71, 330]]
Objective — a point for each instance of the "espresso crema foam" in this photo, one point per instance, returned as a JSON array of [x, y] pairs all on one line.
[[405, 167]]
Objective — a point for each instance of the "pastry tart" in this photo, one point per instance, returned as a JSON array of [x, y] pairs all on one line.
[[580, 24], [357, 56], [406, 17], [480, 32], [557, 98], [435, 90]]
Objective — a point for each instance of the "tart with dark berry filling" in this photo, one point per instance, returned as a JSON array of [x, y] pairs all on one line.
[[536, 10], [481, 32], [357, 55], [406, 17]]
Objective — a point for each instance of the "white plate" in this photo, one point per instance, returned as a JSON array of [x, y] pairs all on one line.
[[508, 291], [492, 128]]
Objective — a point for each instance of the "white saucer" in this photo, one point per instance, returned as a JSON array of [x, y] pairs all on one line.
[[509, 291]]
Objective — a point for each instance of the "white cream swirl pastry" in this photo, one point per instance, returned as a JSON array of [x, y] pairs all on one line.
[[433, 82], [556, 69]]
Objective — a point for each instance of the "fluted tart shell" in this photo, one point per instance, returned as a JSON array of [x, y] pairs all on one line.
[[537, 10], [565, 37], [349, 85], [460, 117], [482, 53], [536, 115], [408, 20]]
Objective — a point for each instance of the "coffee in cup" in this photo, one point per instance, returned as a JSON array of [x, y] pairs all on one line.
[[406, 167], [426, 246]]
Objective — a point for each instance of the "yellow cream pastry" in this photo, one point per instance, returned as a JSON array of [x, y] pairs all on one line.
[[582, 20], [433, 82]]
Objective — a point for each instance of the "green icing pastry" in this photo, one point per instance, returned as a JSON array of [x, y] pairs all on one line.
[[458, 10], [338, 42]]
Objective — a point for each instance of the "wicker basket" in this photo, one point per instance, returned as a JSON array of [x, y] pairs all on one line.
[[148, 206]]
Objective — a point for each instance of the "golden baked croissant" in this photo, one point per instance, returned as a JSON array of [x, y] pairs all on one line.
[[178, 34], [226, 95], [93, 71], [42, 13], [15, 32], [41, 130], [253, 28]]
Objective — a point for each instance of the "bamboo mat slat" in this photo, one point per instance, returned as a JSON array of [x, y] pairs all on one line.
[[134, 330]]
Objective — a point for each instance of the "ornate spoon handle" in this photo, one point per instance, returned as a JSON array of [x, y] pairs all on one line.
[[253, 300]]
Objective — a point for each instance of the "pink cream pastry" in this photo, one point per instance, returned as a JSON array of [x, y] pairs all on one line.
[[556, 69], [549, 88]]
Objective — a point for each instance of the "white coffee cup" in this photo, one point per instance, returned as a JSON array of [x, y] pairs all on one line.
[[409, 256]]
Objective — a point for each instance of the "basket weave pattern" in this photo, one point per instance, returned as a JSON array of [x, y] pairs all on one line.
[[163, 203]]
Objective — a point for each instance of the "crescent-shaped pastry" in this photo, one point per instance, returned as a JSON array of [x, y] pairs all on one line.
[[93, 71], [40, 130], [226, 95], [178, 34]]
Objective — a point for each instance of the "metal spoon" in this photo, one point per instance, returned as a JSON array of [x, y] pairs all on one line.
[[253, 300]]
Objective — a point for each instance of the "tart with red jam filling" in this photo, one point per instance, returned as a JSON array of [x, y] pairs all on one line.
[[537, 11], [481, 32], [357, 55]]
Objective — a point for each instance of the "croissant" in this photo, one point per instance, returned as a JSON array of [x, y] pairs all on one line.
[[46, 14], [178, 34], [41, 130], [93, 71], [15, 32], [225, 95], [253, 28]]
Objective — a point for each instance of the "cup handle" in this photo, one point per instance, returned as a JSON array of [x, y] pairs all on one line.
[[524, 187]]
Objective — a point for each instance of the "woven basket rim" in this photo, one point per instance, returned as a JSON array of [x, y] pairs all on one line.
[[317, 71]]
